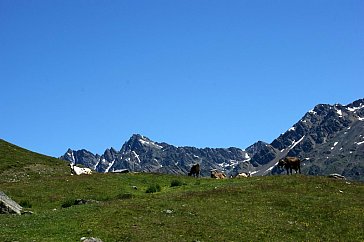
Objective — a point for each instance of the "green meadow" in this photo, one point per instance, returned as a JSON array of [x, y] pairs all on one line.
[[159, 207]]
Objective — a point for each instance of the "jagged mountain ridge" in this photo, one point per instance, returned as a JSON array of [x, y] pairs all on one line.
[[141, 154], [329, 138]]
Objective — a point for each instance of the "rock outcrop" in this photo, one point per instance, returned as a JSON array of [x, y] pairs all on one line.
[[7, 205]]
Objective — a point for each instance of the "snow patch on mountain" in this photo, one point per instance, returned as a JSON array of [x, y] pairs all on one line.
[[360, 143], [98, 162], [110, 165], [296, 143], [70, 154], [339, 112], [136, 155], [353, 109], [312, 112], [271, 168], [334, 145], [150, 143]]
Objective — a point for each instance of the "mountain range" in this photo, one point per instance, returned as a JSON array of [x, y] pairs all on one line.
[[328, 139]]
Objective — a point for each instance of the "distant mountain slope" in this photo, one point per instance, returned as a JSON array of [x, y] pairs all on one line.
[[329, 138]]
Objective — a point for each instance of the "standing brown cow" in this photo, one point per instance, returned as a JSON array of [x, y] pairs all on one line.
[[290, 163], [195, 170]]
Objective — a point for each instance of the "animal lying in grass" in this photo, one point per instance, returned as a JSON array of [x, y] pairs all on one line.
[[195, 170], [290, 163], [242, 175], [217, 175], [75, 170]]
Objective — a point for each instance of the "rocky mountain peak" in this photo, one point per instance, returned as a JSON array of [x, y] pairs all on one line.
[[256, 147], [110, 154], [139, 142]]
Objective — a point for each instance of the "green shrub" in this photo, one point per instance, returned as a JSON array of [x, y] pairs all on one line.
[[176, 183], [68, 203], [124, 196], [104, 198], [154, 188], [25, 204]]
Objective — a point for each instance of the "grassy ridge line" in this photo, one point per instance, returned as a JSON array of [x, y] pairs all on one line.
[[12, 156]]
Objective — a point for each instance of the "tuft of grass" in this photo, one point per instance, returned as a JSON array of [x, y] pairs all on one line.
[[25, 204], [68, 203], [153, 188], [124, 196], [176, 183]]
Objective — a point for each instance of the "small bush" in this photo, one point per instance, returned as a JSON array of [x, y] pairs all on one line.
[[124, 196], [154, 188], [68, 203], [176, 183], [25, 204], [104, 198]]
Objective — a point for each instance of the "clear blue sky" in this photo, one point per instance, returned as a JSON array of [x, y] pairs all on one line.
[[88, 74]]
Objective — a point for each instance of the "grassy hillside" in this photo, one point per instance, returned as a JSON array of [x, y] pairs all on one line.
[[274, 208], [15, 158]]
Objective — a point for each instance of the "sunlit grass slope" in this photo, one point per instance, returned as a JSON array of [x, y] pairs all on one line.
[[118, 208], [15, 159]]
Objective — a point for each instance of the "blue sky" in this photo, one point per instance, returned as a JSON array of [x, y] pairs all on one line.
[[89, 74]]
